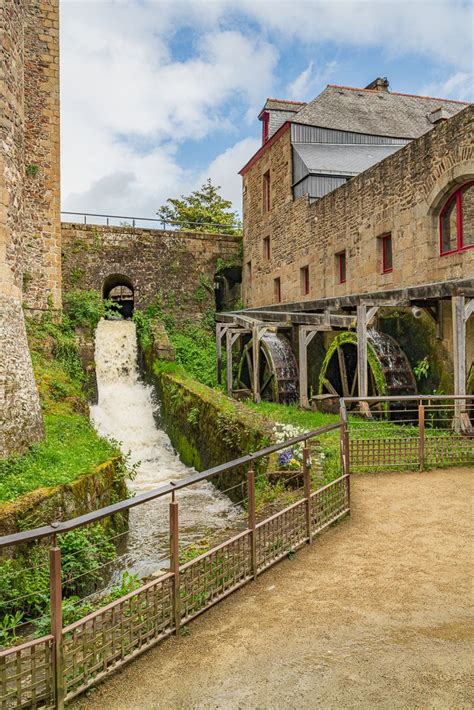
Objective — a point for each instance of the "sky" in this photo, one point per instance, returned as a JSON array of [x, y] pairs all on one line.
[[158, 95]]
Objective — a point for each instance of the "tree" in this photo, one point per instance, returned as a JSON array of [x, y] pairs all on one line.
[[201, 211]]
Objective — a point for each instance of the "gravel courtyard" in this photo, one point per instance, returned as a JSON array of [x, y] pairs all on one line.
[[376, 613]]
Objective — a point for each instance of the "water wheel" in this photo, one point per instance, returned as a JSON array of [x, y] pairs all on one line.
[[278, 371], [389, 372]]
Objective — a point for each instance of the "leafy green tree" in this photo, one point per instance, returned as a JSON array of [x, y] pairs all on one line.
[[201, 211]]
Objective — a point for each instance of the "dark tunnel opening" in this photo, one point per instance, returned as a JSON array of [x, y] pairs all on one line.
[[119, 289]]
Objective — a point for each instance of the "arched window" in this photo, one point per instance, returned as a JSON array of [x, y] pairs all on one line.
[[456, 221]]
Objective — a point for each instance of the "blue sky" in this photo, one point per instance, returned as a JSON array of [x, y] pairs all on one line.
[[157, 95]]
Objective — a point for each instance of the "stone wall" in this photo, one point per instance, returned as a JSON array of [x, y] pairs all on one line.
[[401, 195], [41, 190], [30, 269], [176, 267]]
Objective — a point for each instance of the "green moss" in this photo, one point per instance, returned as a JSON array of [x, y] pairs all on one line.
[[373, 362]]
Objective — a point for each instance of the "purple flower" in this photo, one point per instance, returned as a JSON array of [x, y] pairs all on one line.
[[285, 457]]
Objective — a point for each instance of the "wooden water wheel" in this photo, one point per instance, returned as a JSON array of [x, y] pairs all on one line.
[[278, 371], [389, 372]]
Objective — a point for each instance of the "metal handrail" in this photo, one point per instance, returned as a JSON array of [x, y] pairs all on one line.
[[96, 515], [163, 222], [408, 397]]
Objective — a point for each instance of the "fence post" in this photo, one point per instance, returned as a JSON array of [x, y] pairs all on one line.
[[55, 588], [346, 470], [174, 561], [252, 520], [307, 491], [421, 434]]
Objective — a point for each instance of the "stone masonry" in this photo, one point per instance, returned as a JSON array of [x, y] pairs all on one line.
[[29, 202], [177, 268]]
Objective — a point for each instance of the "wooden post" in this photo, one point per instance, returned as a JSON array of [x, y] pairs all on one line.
[[459, 353], [362, 372], [228, 350], [345, 459], [421, 435], [219, 352], [303, 367], [174, 561], [55, 587], [307, 491], [252, 521], [256, 363]]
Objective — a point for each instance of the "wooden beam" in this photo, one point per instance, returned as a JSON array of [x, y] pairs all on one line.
[[219, 332], [256, 363], [335, 320], [228, 350], [459, 352], [303, 367], [469, 309], [362, 370]]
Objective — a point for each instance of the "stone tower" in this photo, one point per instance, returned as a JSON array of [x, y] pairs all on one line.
[[30, 241]]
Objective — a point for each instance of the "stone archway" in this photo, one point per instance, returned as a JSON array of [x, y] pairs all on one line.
[[119, 289]]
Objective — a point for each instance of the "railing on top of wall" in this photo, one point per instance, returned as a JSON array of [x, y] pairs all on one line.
[[57, 666], [409, 433], [114, 220]]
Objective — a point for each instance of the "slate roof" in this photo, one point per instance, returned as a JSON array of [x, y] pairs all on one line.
[[332, 159], [380, 113], [283, 105]]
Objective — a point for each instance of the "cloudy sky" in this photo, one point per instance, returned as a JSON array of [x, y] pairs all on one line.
[[158, 95]]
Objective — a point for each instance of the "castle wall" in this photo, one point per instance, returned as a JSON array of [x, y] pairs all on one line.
[[25, 211], [175, 268]]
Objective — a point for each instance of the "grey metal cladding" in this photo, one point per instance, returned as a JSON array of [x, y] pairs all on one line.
[[316, 186], [338, 159], [313, 134]]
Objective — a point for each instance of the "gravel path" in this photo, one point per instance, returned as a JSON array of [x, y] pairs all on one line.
[[376, 613]]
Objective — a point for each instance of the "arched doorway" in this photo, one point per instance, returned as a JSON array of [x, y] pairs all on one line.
[[119, 289]]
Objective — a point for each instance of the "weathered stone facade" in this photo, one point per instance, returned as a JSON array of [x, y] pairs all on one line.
[[178, 268], [29, 202], [401, 195]]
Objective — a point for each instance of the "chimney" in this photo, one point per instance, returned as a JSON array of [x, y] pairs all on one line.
[[379, 84], [439, 114]]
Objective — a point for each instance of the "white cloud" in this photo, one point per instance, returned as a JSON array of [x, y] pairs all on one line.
[[440, 29], [459, 86], [299, 87], [127, 105], [224, 169], [306, 84]]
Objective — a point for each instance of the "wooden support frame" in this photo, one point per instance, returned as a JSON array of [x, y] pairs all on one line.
[[460, 314], [306, 334], [362, 367]]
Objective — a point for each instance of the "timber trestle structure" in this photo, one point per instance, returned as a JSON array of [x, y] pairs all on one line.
[[409, 434], [304, 319]]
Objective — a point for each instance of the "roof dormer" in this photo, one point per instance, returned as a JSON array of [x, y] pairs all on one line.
[[275, 113]]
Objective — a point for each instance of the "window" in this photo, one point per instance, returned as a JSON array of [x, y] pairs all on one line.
[[304, 280], [249, 272], [265, 122], [266, 247], [277, 289], [341, 266], [456, 221], [266, 192], [387, 260]]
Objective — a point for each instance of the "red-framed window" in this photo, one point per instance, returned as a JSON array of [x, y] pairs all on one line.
[[265, 125], [387, 254], [341, 266], [266, 248], [266, 192], [277, 289], [456, 221], [304, 280]]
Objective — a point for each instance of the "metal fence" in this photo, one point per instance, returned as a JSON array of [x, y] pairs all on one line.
[[52, 669], [114, 220], [409, 433]]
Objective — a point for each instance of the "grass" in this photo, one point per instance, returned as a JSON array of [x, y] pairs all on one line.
[[71, 448]]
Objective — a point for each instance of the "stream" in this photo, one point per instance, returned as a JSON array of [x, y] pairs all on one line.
[[126, 412]]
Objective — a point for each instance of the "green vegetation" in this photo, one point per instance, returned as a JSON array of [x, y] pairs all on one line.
[[71, 446], [201, 211]]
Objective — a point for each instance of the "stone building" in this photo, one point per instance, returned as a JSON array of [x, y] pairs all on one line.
[[361, 198], [30, 237]]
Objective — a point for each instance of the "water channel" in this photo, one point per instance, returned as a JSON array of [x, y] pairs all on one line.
[[126, 412]]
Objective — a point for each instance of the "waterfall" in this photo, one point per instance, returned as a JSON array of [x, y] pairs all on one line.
[[126, 413]]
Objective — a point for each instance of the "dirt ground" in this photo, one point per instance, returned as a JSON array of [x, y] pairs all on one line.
[[376, 613]]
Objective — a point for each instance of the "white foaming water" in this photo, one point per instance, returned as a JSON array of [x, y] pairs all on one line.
[[125, 412]]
